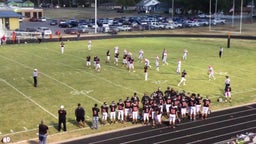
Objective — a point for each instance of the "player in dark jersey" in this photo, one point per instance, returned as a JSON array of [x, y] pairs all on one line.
[[127, 108], [135, 99], [154, 109], [184, 107], [198, 105], [145, 99], [146, 111], [104, 112], [88, 61], [95, 114], [206, 107], [135, 113], [168, 103], [192, 106], [120, 111], [146, 72], [228, 94], [116, 58], [158, 116], [183, 78], [108, 56], [173, 112], [112, 108]]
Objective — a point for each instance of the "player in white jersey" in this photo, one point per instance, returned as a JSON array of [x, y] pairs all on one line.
[[185, 54], [211, 73], [140, 57], [147, 62], [227, 82], [178, 67], [62, 47], [165, 57], [157, 63], [116, 49], [89, 45]]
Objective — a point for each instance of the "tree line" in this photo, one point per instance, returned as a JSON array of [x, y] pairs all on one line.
[[193, 5]]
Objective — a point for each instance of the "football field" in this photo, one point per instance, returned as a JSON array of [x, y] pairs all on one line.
[[65, 80]]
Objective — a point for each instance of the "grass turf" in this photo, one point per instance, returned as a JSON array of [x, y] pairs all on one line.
[[64, 79]]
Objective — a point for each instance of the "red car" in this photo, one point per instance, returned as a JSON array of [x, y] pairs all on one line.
[[71, 31], [33, 19]]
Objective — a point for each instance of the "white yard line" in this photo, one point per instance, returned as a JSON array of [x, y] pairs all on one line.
[[50, 78], [106, 80], [29, 98]]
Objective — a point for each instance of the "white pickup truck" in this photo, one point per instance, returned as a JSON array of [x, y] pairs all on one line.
[[219, 21]]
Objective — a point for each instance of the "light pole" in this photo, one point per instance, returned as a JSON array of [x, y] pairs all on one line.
[[172, 8], [210, 15], [233, 13], [241, 16], [95, 18], [216, 8]]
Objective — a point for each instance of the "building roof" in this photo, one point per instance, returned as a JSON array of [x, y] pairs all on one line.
[[9, 14]]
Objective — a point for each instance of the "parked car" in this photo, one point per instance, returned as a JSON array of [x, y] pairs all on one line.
[[219, 21], [73, 23], [31, 30], [33, 19], [168, 26], [124, 28], [46, 30], [84, 29], [64, 25], [72, 31], [42, 19], [53, 22]]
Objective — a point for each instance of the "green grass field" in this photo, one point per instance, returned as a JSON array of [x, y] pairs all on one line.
[[64, 79]]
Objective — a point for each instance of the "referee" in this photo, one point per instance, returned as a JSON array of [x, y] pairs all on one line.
[[35, 75]]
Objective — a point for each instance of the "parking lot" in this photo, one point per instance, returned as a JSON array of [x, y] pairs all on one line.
[[118, 24]]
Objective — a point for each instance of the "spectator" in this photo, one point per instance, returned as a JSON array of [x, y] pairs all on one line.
[[42, 131], [80, 112]]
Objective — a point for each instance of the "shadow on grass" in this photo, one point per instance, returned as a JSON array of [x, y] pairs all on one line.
[[32, 142], [55, 125], [72, 121]]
